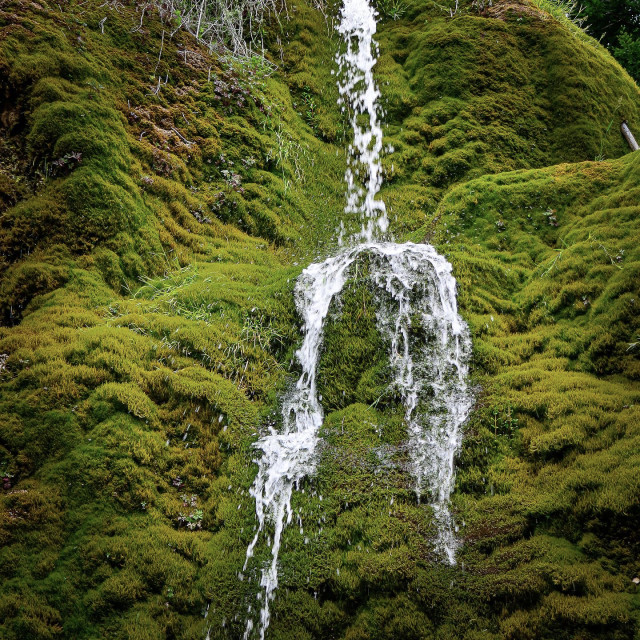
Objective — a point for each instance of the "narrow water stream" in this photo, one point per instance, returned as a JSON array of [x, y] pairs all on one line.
[[414, 286]]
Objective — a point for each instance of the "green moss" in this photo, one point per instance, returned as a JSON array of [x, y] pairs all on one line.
[[150, 236], [354, 361], [485, 93]]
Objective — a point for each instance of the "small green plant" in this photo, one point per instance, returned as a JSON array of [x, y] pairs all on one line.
[[569, 13], [172, 282], [392, 9], [288, 154], [504, 421], [600, 157], [258, 333], [310, 109]]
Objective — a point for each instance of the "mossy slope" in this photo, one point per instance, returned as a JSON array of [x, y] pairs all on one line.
[[134, 156], [156, 205], [546, 499]]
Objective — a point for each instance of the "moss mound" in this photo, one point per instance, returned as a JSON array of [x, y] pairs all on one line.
[[156, 205]]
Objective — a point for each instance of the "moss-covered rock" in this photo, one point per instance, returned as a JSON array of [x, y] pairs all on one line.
[[156, 205]]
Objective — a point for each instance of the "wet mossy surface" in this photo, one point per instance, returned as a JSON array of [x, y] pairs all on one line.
[[354, 365], [156, 205]]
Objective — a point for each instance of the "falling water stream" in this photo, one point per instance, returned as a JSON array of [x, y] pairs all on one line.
[[416, 296]]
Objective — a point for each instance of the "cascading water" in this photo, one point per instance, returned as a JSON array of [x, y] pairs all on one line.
[[431, 374], [290, 456], [357, 86], [415, 286]]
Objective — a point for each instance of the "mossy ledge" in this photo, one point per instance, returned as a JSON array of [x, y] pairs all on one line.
[[156, 205]]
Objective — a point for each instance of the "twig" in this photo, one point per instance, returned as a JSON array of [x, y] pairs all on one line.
[[160, 54], [199, 20], [628, 136], [181, 136], [141, 19], [593, 240]]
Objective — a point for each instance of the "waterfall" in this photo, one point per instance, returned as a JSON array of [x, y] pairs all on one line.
[[414, 284], [430, 375], [357, 86], [289, 456]]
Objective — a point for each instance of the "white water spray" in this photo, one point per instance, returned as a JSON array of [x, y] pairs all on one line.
[[416, 298], [359, 91], [430, 349], [290, 456]]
